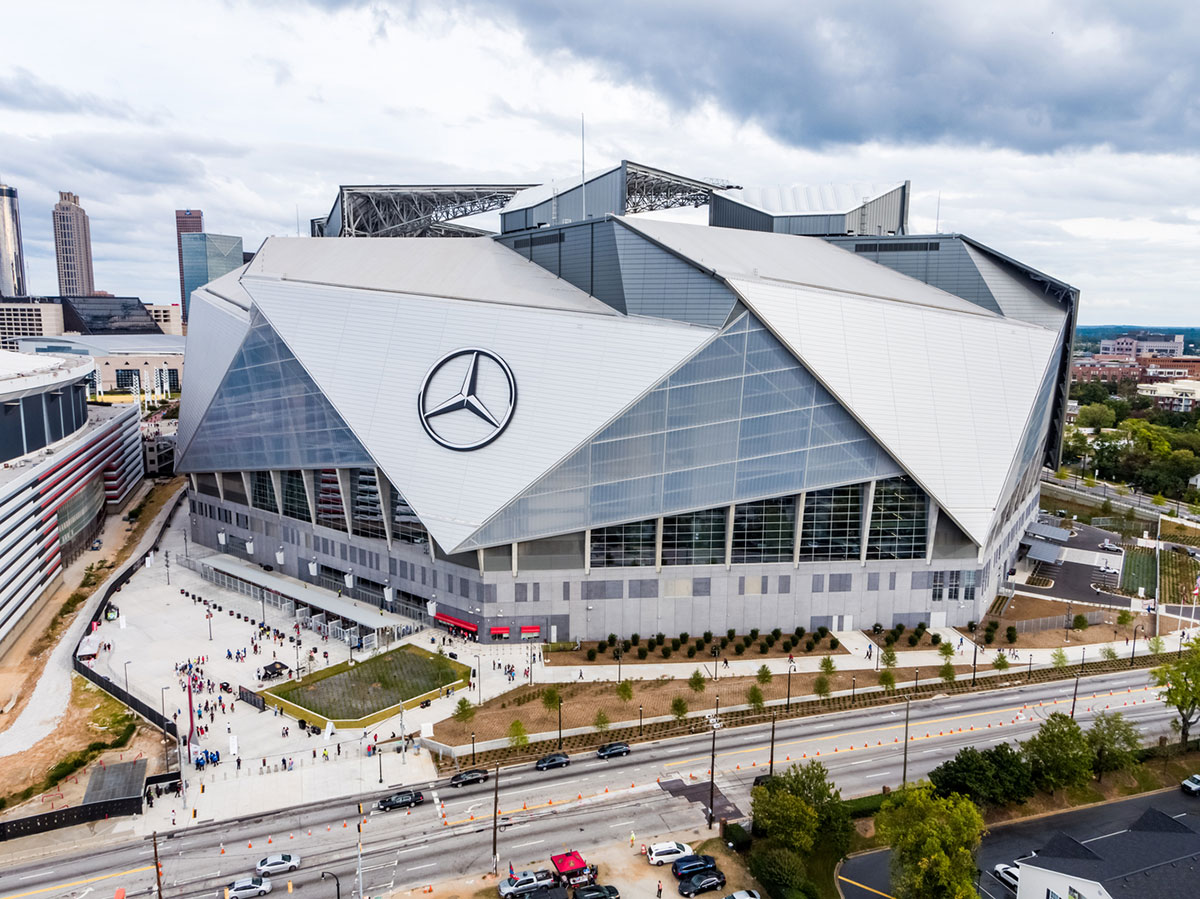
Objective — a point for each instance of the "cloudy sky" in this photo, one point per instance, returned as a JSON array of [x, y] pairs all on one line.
[[1066, 134]]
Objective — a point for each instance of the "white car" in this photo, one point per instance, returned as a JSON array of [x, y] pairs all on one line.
[[662, 853], [1109, 547], [276, 864], [249, 886], [1007, 875], [1191, 786], [744, 894]]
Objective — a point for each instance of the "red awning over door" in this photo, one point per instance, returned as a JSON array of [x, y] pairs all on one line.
[[530, 629], [456, 622]]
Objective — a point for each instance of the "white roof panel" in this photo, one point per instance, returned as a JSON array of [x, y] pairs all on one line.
[[803, 261], [948, 394], [370, 351], [809, 199], [456, 267]]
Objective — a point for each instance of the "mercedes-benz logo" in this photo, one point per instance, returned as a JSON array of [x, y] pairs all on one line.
[[467, 399]]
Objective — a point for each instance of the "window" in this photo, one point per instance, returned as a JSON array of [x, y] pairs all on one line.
[[939, 584], [832, 524], [624, 545], [818, 583], [295, 499], [603, 589], [968, 585], [952, 589], [898, 520], [785, 583], [764, 531], [643, 589], [840, 583], [701, 586], [872, 581], [521, 592], [697, 538]]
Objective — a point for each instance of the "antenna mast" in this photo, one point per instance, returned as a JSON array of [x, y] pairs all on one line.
[[582, 168]]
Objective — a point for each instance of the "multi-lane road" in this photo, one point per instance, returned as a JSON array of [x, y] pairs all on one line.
[[660, 788]]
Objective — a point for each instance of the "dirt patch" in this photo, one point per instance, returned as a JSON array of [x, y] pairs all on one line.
[[582, 701], [925, 641], [1028, 608], [92, 716]]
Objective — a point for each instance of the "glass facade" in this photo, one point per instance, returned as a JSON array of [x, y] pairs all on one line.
[[295, 499], [330, 512], [764, 531], [107, 315], [206, 257], [366, 508], [898, 520], [624, 545], [406, 527], [268, 414], [697, 538], [741, 420], [263, 491], [832, 529]]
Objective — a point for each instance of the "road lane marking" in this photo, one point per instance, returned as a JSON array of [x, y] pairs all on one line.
[[36, 874], [409, 849], [377, 867], [76, 883], [863, 886], [621, 824], [420, 867], [530, 843], [879, 774]]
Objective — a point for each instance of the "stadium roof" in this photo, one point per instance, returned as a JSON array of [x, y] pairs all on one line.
[[410, 210], [806, 199]]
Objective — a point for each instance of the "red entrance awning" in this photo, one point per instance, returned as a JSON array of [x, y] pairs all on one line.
[[499, 631], [530, 629], [456, 622]]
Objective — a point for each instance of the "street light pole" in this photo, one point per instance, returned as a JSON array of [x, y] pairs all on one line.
[[379, 753], [472, 747], [162, 698], [974, 657], [788, 704], [337, 884], [127, 675], [853, 683], [479, 676], [1133, 645], [904, 777], [771, 767], [496, 820], [712, 764], [639, 720], [560, 722]]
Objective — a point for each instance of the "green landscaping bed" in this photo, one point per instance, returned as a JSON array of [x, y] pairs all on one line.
[[1140, 570], [348, 692]]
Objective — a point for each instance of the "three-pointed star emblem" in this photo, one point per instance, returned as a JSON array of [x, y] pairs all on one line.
[[467, 399]]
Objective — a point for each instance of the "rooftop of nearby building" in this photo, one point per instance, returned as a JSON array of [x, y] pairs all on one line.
[[99, 414], [106, 344], [22, 373], [809, 199]]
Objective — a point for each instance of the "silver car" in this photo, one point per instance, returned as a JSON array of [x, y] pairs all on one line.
[[249, 886], [278, 864]]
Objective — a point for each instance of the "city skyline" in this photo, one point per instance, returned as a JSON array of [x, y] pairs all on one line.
[[1050, 135]]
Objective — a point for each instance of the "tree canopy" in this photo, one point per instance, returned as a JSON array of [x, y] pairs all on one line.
[[1114, 742], [1058, 754], [1179, 685], [933, 840]]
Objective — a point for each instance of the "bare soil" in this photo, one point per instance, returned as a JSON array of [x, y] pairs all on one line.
[[582, 701], [902, 645], [1026, 608]]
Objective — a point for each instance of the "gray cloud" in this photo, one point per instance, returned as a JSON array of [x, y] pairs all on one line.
[[1033, 77], [22, 90]]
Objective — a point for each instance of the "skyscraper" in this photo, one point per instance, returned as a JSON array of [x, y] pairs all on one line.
[[206, 257], [73, 247], [187, 221], [12, 258]]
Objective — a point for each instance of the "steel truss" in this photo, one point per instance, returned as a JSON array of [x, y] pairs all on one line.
[[648, 189], [418, 210]]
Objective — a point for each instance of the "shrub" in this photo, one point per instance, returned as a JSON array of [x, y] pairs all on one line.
[[683, 636], [914, 639], [889, 640], [699, 644], [731, 633], [989, 637], [971, 625], [634, 639], [993, 624], [877, 628], [591, 655], [601, 646], [666, 652], [626, 645], [660, 639], [809, 645], [1080, 622], [643, 652], [753, 633], [724, 642], [776, 633], [834, 642], [786, 645], [1010, 633], [740, 648], [935, 639], [798, 633], [708, 636], [823, 632], [691, 652], [898, 630], [763, 648], [736, 837], [676, 643]]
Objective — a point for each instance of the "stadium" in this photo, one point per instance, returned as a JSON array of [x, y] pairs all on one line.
[[601, 420]]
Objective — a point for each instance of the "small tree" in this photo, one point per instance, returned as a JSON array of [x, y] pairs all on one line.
[[764, 675], [625, 690], [1179, 684], [1125, 618], [1109, 653], [821, 686], [887, 657], [1058, 754], [1114, 742], [827, 666], [464, 711], [933, 842], [754, 696], [887, 680], [1058, 658], [697, 681], [1159, 500], [1155, 645], [1000, 663], [946, 650], [1079, 622], [947, 673], [517, 737], [551, 698], [600, 722], [679, 708]]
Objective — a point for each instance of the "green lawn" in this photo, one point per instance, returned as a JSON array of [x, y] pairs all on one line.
[[1178, 576], [343, 692], [1139, 571]]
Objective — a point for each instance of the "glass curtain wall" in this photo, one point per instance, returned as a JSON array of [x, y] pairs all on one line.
[[295, 500], [898, 520], [764, 531], [624, 545], [832, 525], [330, 512], [697, 538]]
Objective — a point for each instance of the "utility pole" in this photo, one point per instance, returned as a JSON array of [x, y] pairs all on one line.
[[496, 820], [771, 767], [157, 866], [904, 777], [712, 765]]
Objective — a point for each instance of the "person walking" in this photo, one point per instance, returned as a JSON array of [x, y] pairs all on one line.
[[632, 839], [659, 893]]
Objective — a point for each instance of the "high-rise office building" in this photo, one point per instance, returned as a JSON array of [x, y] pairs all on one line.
[[187, 221], [205, 258], [12, 258], [73, 247]]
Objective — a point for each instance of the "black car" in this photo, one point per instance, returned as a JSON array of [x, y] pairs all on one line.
[[763, 779], [608, 750], [403, 799], [701, 883], [597, 891], [470, 776], [553, 760], [692, 864]]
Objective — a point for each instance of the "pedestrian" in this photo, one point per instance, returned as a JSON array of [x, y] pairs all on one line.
[[581, 674], [239, 763], [325, 754], [172, 817], [659, 893], [632, 839], [339, 749]]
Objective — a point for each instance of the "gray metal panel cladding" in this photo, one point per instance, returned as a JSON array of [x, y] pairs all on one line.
[[725, 213], [607, 273], [662, 285]]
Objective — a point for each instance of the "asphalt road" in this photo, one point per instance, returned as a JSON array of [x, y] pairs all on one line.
[[660, 788]]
